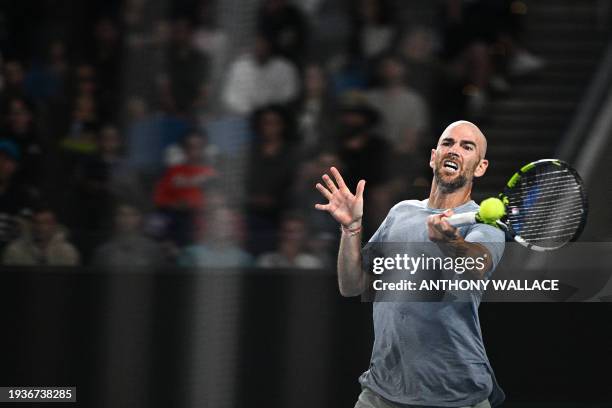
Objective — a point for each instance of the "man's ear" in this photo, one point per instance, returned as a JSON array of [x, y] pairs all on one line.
[[481, 168], [432, 158]]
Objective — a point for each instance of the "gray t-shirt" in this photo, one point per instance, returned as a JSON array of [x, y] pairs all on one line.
[[431, 353]]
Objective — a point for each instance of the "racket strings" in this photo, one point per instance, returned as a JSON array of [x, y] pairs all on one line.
[[546, 205]]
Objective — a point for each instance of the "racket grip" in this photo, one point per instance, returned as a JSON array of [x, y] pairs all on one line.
[[460, 220]]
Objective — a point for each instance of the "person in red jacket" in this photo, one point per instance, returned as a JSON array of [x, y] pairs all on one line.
[[180, 193]]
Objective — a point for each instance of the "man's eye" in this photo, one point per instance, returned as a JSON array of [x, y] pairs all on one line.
[[468, 147]]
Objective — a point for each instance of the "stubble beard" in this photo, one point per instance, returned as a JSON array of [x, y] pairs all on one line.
[[448, 187]]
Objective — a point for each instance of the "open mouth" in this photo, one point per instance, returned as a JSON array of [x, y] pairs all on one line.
[[451, 165]]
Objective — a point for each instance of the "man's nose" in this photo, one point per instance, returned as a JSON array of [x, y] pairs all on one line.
[[454, 150]]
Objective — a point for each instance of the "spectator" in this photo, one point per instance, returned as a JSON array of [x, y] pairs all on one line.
[[363, 152], [373, 30], [291, 251], [365, 155], [101, 178], [284, 25], [85, 112], [180, 193], [187, 68], [129, 246], [106, 60], [416, 49], [218, 245], [405, 116], [21, 130], [270, 175], [147, 137], [175, 154], [44, 244], [260, 78], [14, 82], [16, 199], [314, 110], [212, 41], [47, 80]]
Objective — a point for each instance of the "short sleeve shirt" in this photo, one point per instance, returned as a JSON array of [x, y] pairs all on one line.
[[431, 353]]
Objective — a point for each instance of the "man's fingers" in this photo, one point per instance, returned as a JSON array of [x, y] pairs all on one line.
[[322, 207], [360, 188], [324, 191], [438, 223], [330, 184], [338, 178]]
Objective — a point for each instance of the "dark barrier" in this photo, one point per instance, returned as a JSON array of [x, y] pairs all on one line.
[[253, 338]]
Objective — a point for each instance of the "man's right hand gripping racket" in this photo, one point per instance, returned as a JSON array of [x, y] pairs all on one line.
[[543, 206]]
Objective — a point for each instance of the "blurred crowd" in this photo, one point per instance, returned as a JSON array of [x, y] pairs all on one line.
[[139, 133]]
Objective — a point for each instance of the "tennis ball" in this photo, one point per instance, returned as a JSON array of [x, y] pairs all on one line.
[[491, 210]]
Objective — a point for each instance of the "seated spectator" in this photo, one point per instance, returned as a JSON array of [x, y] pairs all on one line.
[[269, 177], [46, 80], [101, 178], [14, 82], [218, 244], [373, 30], [20, 128], [211, 40], [148, 135], [16, 200], [314, 110], [416, 49], [44, 244], [284, 25], [129, 246], [363, 152], [260, 78], [175, 154], [365, 155], [291, 251], [187, 68], [180, 193], [405, 115]]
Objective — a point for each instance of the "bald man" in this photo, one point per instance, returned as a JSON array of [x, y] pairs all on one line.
[[425, 354]]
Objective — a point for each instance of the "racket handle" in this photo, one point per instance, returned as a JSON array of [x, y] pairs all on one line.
[[460, 220]]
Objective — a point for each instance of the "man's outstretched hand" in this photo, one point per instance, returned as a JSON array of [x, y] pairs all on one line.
[[345, 207]]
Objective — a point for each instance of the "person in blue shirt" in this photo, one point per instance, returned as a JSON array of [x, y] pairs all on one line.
[[425, 354]]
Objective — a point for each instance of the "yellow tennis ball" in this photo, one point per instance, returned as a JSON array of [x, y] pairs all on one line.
[[491, 210]]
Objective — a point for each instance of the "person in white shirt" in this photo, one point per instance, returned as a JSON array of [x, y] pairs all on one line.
[[258, 79]]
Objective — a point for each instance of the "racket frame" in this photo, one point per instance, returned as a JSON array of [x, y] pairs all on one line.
[[505, 224]]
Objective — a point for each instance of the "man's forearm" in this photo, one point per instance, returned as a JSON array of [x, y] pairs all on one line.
[[462, 248], [351, 279]]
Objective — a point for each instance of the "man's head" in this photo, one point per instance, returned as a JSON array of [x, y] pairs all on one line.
[[9, 156], [128, 218], [193, 146], [459, 156], [44, 225]]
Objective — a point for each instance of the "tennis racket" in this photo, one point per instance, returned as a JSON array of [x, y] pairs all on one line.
[[546, 206]]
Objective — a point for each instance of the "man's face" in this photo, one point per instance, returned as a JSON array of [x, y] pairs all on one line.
[[194, 149], [8, 166], [127, 219], [458, 157], [44, 226]]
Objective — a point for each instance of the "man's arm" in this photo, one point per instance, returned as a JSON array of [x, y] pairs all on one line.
[[351, 279], [347, 209]]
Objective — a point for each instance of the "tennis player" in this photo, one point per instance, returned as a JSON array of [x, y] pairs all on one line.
[[425, 354]]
